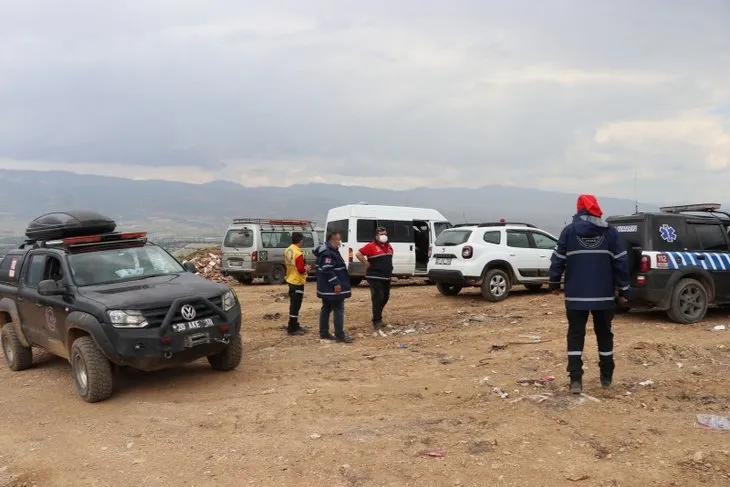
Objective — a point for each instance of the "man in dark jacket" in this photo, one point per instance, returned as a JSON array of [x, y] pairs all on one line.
[[377, 257], [333, 287], [595, 263]]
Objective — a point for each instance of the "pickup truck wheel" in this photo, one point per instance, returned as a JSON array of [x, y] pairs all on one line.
[[277, 274], [448, 289], [17, 356], [689, 302], [230, 357], [496, 285], [91, 370]]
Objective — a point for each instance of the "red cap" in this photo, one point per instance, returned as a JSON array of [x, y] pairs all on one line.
[[589, 203]]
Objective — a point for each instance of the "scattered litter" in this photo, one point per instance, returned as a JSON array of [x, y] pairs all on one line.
[[713, 421], [269, 391], [719, 328], [680, 364], [578, 478], [371, 357], [436, 454], [478, 318], [647, 383], [311, 391], [561, 399], [536, 382], [315, 436], [496, 347], [500, 393], [382, 333], [402, 345], [447, 360], [534, 338]]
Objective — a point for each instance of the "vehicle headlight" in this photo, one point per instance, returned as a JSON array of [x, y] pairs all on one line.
[[127, 319], [229, 300]]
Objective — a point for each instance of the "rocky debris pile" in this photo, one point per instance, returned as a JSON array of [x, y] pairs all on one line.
[[208, 262]]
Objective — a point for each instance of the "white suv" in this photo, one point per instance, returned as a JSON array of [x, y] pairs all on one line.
[[493, 256]]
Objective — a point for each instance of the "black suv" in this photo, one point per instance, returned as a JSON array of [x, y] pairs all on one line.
[[103, 299], [679, 259]]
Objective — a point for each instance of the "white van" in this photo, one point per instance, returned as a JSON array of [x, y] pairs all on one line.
[[411, 232]]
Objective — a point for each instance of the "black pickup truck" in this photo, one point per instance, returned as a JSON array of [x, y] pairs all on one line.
[[103, 299]]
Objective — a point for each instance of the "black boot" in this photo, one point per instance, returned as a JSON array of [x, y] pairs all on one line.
[[576, 385], [606, 381]]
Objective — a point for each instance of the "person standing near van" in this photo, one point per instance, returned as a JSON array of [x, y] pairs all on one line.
[[595, 262], [377, 257], [333, 288], [296, 277]]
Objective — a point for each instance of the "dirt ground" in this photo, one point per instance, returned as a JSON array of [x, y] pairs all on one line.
[[303, 412]]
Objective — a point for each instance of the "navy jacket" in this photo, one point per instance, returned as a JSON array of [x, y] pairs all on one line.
[[594, 261], [331, 271]]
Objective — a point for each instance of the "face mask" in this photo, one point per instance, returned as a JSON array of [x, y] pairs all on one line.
[[382, 238]]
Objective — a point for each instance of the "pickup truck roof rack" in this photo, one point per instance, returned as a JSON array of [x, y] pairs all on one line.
[[710, 209], [494, 224], [89, 240]]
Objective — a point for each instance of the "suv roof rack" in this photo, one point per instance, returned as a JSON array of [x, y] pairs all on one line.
[[272, 221], [494, 224], [702, 207], [89, 240]]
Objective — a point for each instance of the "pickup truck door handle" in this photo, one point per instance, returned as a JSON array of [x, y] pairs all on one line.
[[411, 247], [699, 257], [512, 255]]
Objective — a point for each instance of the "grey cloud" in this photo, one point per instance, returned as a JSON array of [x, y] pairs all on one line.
[[486, 88]]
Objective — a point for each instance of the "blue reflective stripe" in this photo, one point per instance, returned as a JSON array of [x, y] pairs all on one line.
[[713, 261]]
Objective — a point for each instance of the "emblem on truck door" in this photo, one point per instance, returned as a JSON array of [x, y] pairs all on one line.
[[188, 312]]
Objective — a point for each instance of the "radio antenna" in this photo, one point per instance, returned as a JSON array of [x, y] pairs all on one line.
[[636, 190]]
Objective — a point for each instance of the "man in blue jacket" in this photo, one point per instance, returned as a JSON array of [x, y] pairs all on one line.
[[333, 287], [595, 263]]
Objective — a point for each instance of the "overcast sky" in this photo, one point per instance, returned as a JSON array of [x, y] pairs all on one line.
[[566, 95]]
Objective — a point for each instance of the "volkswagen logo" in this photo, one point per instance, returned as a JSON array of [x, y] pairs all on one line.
[[188, 312]]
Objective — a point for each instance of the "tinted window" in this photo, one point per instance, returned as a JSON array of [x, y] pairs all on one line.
[[10, 268], [542, 241], [399, 231], [710, 237], [105, 266], [452, 237], [667, 234], [340, 226], [439, 227], [308, 241], [275, 240], [518, 239], [493, 237], [242, 238], [35, 270]]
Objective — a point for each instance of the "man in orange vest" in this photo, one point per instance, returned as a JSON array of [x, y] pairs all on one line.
[[296, 277]]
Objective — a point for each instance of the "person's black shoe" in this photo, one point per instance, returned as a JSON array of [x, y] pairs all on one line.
[[327, 337], [302, 329], [378, 325], [576, 386], [296, 332], [606, 382], [345, 339]]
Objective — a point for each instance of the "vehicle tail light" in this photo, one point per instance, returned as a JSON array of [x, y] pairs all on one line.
[[166, 340], [224, 328], [254, 256], [467, 252], [430, 251], [644, 264], [349, 256]]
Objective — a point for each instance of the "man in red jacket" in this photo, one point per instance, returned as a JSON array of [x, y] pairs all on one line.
[[377, 256]]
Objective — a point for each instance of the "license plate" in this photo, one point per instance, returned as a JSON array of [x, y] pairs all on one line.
[[197, 339], [235, 263], [443, 261], [193, 325]]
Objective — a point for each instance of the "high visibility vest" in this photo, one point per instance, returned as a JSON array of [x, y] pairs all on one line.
[[293, 276]]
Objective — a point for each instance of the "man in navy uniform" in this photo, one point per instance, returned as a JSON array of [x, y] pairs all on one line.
[[595, 263], [333, 288]]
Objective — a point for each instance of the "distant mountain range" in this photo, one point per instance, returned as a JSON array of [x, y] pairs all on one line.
[[193, 210]]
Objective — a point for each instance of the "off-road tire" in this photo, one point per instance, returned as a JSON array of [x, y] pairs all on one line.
[[696, 302], [496, 285], [230, 357], [277, 275], [17, 356], [533, 287], [245, 280], [448, 289], [96, 368], [355, 281]]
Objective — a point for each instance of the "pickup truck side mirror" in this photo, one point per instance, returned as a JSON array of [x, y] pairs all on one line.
[[190, 267], [50, 287]]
